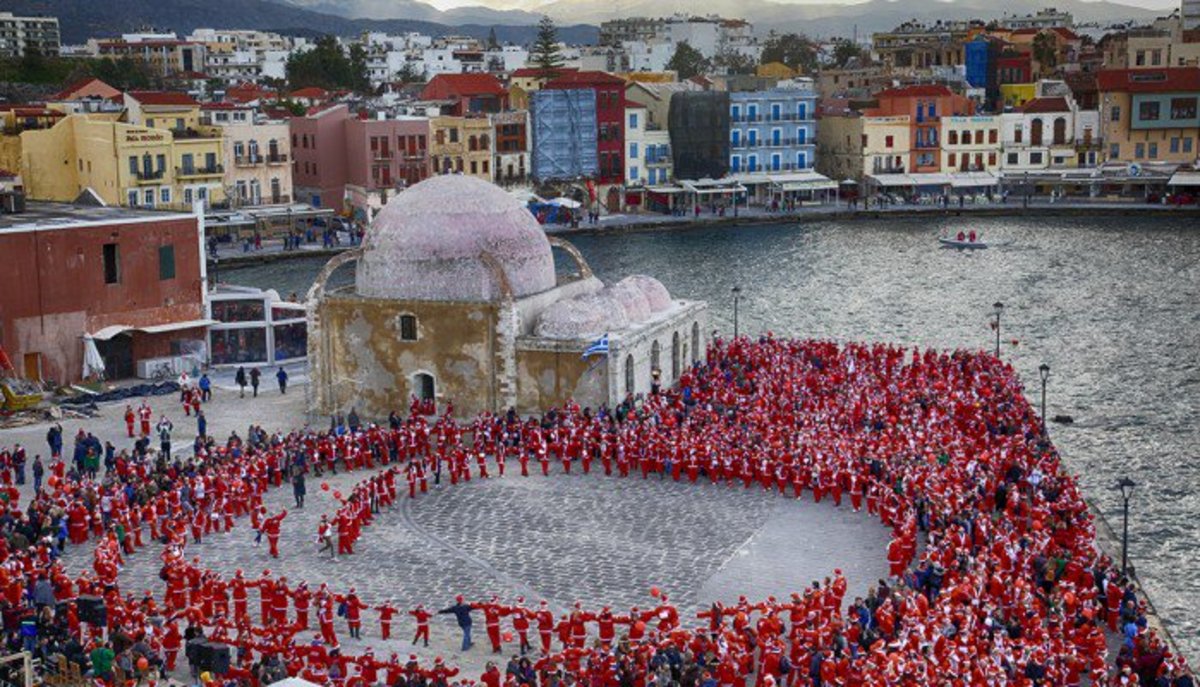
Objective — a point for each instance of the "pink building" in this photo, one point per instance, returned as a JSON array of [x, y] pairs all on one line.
[[352, 164]]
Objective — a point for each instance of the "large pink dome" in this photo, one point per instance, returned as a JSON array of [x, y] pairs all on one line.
[[427, 242]]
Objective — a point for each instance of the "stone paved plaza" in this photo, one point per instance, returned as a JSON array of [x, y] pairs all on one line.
[[564, 538]]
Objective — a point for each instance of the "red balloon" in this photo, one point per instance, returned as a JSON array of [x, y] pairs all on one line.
[[337, 495], [640, 626], [324, 486], [508, 636], [143, 664], [654, 591]]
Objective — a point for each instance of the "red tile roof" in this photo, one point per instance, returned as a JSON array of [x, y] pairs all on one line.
[[1045, 105], [310, 92], [448, 86], [920, 90], [1066, 33], [162, 98], [588, 78], [76, 86], [1165, 80], [535, 71]]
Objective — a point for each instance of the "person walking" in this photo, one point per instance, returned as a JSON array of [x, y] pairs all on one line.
[[462, 613], [38, 470], [201, 424], [282, 376], [298, 488], [255, 376], [239, 378], [205, 385], [164, 435]]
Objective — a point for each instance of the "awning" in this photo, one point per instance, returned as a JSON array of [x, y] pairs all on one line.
[[115, 329], [891, 180], [930, 179], [664, 189], [1184, 179], [973, 180]]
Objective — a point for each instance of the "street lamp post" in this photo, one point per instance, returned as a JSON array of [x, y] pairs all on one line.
[[737, 294], [1126, 486], [1044, 371], [999, 308]]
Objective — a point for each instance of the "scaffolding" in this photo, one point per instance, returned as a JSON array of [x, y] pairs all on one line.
[[564, 135]]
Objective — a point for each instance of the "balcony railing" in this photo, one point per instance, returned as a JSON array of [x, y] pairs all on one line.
[[771, 143], [248, 160], [190, 133], [277, 159], [783, 117], [211, 170], [150, 176], [281, 199]]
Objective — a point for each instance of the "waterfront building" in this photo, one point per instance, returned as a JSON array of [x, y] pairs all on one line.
[[127, 164], [648, 158], [257, 154], [699, 126], [466, 93], [971, 143], [20, 35], [1150, 115], [610, 118], [655, 96], [851, 145], [510, 136], [461, 145], [773, 130], [16, 119], [456, 297], [925, 105], [252, 326], [1049, 132], [129, 282], [354, 165], [564, 143]]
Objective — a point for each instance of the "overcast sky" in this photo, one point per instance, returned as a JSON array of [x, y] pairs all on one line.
[[532, 4]]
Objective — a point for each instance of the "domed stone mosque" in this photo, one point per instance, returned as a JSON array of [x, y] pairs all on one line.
[[456, 297]]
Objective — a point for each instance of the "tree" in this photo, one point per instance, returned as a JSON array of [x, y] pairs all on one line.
[[409, 74], [845, 50], [687, 61], [492, 43], [792, 49], [1045, 51], [734, 62], [545, 54], [327, 66]]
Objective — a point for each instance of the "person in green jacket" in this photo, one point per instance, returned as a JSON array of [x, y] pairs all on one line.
[[102, 661]]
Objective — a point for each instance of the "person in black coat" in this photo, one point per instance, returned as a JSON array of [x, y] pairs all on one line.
[[462, 613], [298, 488], [239, 378]]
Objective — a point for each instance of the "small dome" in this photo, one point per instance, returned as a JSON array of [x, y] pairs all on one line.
[[654, 291], [427, 242], [582, 317], [632, 300]]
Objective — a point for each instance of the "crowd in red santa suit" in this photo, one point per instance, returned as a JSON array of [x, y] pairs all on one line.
[[1008, 588]]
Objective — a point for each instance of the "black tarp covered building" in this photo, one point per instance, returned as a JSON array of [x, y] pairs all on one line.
[[699, 126]]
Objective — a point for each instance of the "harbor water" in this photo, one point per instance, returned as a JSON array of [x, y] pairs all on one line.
[[1111, 304]]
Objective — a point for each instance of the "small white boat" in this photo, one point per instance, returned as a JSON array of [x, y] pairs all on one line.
[[964, 244]]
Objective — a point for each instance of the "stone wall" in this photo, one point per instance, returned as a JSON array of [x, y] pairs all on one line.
[[364, 364], [551, 373]]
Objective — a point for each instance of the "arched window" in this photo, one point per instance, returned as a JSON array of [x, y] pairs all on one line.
[[1060, 131], [423, 386], [629, 374], [472, 143], [408, 327], [675, 356], [695, 342], [483, 142], [1035, 132], [655, 356]]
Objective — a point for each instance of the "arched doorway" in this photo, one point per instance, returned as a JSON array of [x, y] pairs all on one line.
[[1035, 132], [695, 342], [629, 375], [1060, 131], [655, 357], [424, 387]]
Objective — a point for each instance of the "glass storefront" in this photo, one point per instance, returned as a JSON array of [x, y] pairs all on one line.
[[237, 346]]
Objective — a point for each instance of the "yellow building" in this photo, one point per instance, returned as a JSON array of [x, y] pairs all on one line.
[[970, 144], [461, 145], [125, 164], [1017, 94], [852, 146], [776, 70], [15, 119]]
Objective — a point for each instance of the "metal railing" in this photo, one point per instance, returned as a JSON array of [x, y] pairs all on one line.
[[277, 158], [248, 160], [210, 170], [152, 175]]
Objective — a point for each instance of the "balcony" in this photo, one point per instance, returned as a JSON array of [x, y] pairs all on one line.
[[381, 155], [248, 160], [277, 159], [209, 171], [280, 199], [180, 134], [149, 176]]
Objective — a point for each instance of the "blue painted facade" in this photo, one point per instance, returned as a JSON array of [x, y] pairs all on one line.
[[773, 130], [1165, 111], [978, 59]]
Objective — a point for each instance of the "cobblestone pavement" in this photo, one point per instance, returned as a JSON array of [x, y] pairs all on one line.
[[564, 538]]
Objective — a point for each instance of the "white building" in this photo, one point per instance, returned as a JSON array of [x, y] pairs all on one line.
[[648, 159], [1048, 132], [970, 144], [19, 34]]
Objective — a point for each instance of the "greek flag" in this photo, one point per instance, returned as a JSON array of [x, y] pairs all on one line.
[[598, 347]]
